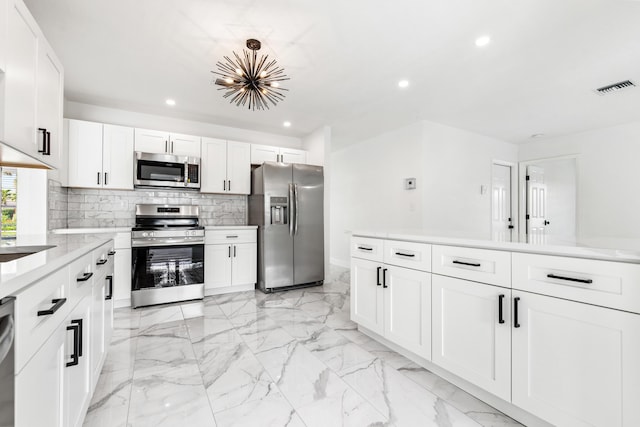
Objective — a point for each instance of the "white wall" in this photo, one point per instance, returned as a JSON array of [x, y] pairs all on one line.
[[318, 145], [79, 111], [449, 164], [608, 202]]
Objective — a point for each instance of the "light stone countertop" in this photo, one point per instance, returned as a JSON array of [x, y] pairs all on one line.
[[92, 230], [230, 227], [608, 249], [19, 274]]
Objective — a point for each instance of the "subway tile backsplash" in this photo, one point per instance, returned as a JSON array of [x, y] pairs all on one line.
[[116, 208]]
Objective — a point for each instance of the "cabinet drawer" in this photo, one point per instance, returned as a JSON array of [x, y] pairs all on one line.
[[32, 330], [604, 283], [81, 277], [478, 265], [102, 261], [407, 254], [230, 236], [367, 248]]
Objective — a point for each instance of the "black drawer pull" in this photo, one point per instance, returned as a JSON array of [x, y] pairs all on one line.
[[570, 279], [232, 237], [470, 264], [80, 333], [378, 276], [384, 278], [85, 277], [76, 350], [111, 253], [102, 261], [500, 301], [57, 303], [407, 255], [515, 312], [362, 248]]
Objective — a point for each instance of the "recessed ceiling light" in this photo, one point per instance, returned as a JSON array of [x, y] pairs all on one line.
[[483, 41], [286, 124], [403, 83], [171, 102]]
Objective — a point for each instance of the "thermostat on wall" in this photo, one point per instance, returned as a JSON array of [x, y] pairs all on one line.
[[410, 184]]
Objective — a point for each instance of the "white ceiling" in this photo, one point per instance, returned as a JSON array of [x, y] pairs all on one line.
[[346, 57]]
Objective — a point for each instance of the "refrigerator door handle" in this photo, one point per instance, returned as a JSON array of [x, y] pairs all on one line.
[[291, 213], [295, 196]]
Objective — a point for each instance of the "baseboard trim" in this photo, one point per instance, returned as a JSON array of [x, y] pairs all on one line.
[[229, 289]]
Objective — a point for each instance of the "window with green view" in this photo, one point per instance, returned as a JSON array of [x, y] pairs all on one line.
[[9, 185]]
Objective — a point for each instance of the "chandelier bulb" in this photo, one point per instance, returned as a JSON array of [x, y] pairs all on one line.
[[228, 80]]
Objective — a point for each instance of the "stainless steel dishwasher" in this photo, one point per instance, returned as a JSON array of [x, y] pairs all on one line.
[[7, 374]]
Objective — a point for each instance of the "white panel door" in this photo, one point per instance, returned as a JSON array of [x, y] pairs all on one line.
[[41, 383], [469, 339], [536, 204], [244, 269], [213, 170], [501, 203], [97, 348], [85, 149], [264, 153], [407, 309], [290, 155], [77, 377], [575, 364], [184, 145], [151, 141], [20, 80], [217, 266], [238, 167], [117, 157], [366, 294], [49, 105]]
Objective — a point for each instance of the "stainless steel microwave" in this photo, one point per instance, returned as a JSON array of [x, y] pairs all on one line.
[[166, 170]]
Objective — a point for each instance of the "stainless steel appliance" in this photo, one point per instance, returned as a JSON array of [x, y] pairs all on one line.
[[166, 170], [7, 373], [167, 255], [287, 206]]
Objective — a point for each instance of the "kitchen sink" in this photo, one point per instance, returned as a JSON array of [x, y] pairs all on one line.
[[10, 253]]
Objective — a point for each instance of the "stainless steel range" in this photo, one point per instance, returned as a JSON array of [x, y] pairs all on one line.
[[167, 255]]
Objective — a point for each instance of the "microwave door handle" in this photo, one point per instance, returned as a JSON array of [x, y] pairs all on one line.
[[186, 172]]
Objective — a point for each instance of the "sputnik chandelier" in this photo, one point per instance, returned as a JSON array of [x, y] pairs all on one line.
[[251, 80]]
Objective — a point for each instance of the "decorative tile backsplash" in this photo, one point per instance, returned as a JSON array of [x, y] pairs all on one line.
[[116, 208]]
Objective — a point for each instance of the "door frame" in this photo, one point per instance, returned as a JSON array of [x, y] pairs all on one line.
[[522, 189], [515, 210]]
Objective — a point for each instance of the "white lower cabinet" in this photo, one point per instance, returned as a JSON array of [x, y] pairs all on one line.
[[394, 302], [230, 259], [575, 364], [97, 342], [77, 364], [472, 332]]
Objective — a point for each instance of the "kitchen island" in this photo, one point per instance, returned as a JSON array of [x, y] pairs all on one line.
[[547, 333]]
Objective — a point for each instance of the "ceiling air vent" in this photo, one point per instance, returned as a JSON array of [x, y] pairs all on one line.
[[615, 87]]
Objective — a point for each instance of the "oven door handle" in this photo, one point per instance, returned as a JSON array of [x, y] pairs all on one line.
[[167, 242]]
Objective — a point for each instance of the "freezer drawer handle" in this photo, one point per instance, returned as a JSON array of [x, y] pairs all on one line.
[[407, 255], [85, 277], [500, 302], [570, 279], [57, 303], [470, 264], [363, 248]]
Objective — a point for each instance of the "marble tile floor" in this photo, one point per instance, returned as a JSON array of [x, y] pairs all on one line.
[[285, 359]]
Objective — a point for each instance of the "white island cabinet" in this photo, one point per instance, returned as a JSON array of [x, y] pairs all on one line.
[[548, 335], [63, 319]]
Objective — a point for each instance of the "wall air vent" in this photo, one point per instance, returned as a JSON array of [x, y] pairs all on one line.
[[615, 87]]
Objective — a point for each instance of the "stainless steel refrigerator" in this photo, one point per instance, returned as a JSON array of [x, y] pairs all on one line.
[[286, 204]]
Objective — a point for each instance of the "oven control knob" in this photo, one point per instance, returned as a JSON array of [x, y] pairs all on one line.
[[193, 233]]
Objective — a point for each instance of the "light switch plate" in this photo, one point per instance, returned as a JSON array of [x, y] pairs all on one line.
[[409, 183]]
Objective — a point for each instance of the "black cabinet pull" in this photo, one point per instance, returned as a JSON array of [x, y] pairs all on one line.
[[229, 251], [76, 334], [363, 248], [85, 277], [378, 276], [229, 185], [407, 255], [500, 301], [110, 295], [471, 264], [102, 261], [232, 237], [515, 312], [44, 140], [57, 303], [98, 178], [111, 253], [384, 278], [80, 333], [47, 149], [224, 185], [234, 251], [105, 178], [570, 279]]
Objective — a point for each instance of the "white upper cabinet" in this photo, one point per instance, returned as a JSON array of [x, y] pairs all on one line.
[[267, 153], [34, 80], [155, 141], [3, 34], [100, 156], [226, 167]]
